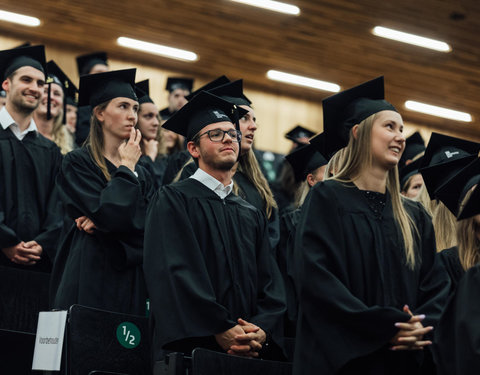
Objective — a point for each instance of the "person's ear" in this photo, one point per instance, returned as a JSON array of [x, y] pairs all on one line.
[[193, 149], [310, 179], [355, 131]]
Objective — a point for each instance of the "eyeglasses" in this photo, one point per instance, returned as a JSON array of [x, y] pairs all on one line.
[[217, 135]]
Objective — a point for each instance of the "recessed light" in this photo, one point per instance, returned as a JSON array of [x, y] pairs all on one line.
[[276, 6], [438, 111], [294, 79], [416, 40], [157, 49]]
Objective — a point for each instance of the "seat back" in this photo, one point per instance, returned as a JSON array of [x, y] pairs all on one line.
[[16, 355], [104, 341]]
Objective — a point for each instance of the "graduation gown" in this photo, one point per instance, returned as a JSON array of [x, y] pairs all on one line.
[[285, 260], [104, 269], [457, 340], [207, 263], [352, 282], [451, 262], [29, 210], [155, 167]]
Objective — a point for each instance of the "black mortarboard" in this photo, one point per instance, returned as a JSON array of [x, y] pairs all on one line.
[[344, 110], [86, 62], [232, 92], [452, 192], [414, 145], [13, 59], [99, 88], [443, 158], [299, 132], [174, 83], [204, 109], [408, 171], [304, 160], [209, 86], [318, 142], [26, 44], [56, 75], [142, 89]]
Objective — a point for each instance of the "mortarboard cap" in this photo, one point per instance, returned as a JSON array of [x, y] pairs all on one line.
[[209, 86], [452, 192], [443, 158], [299, 132], [174, 83], [142, 89], [304, 160], [414, 145], [232, 92], [344, 110], [99, 88], [86, 62], [318, 142], [56, 75], [407, 171], [203, 110], [13, 59]]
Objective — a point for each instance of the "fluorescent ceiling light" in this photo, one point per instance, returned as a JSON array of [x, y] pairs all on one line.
[[157, 49], [19, 18], [416, 40], [438, 111], [276, 6], [302, 81]]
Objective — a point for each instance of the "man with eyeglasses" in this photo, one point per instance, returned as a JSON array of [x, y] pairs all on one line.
[[209, 269]]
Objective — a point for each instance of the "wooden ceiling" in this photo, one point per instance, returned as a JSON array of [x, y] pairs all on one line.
[[330, 40]]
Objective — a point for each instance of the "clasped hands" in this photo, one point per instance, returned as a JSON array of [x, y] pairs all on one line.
[[244, 339], [410, 335]]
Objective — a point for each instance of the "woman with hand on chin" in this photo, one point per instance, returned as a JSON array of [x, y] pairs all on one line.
[[105, 194], [365, 256]]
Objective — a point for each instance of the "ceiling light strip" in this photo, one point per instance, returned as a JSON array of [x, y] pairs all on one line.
[[157, 49], [294, 79], [19, 19], [438, 111], [276, 6], [416, 40]]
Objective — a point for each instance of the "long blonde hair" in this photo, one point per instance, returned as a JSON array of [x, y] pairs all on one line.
[[60, 136], [249, 166], [445, 226], [468, 242], [357, 157], [95, 140]]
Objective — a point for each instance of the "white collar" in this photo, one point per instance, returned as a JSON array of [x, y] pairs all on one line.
[[7, 121], [212, 183]]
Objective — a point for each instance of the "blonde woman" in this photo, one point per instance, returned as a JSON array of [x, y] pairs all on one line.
[[50, 114], [105, 193], [365, 269]]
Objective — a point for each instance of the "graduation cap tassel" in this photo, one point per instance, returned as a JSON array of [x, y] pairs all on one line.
[[237, 126], [49, 102]]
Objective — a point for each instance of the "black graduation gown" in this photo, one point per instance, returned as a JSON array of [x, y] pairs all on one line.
[[451, 262], [207, 263], [29, 210], [155, 167], [175, 162], [457, 340], [82, 128], [29, 207], [285, 260], [352, 283], [104, 269]]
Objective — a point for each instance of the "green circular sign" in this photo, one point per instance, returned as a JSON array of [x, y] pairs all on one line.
[[128, 335]]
